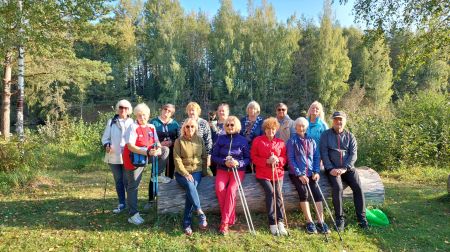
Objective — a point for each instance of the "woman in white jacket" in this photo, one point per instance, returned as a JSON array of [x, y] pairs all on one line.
[[114, 142]]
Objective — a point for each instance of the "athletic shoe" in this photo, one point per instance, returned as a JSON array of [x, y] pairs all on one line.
[[340, 223], [311, 228], [136, 219], [363, 224], [223, 229], [323, 228], [274, 230], [188, 231], [148, 206], [163, 179], [281, 228], [202, 223], [119, 208]]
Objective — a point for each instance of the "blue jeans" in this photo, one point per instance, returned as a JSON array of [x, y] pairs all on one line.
[[120, 181], [192, 200]]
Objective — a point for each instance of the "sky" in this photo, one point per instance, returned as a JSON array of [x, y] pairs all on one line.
[[311, 9]]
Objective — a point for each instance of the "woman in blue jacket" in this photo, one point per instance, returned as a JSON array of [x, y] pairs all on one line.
[[230, 150], [317, 124], [304, 169]]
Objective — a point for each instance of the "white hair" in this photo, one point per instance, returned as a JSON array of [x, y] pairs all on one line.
[[143, 108], [124, 103], [301, 120]]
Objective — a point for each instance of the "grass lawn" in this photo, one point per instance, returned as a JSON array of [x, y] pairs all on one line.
[[64, 212]]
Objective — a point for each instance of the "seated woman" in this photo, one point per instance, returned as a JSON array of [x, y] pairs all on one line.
[[190, 163], [268, 153], [230, 150], [304, 168], [140, 138]]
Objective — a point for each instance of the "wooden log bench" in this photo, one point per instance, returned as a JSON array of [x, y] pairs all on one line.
[[172, 195]]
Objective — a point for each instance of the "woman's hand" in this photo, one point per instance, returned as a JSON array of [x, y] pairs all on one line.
[[304, 179], [166, 143], [189, 178], [154, 152], [315, 177]]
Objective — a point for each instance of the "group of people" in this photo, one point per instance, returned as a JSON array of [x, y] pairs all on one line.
[[231, 147]]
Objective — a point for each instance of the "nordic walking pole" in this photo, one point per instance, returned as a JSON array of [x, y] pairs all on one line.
[[282, 201], [248, 216], [317, 209], [274, 195], [329, 212], [155, 184]]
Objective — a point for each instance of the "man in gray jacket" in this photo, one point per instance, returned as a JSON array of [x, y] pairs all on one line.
[[338, 149]]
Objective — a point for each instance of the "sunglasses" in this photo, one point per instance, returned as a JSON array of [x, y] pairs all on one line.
[[281, 109], [229, 125], [189, 126], [122, 107]]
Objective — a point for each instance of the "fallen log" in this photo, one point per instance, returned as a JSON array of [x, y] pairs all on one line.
[[172, 195]]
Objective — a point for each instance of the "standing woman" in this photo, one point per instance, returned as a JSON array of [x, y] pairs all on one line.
[[113, 140], [193, 111], [230, 150], [317, 124], [267, 152], [252, 122], [141, 138], [190, 164], [218, 127], [304, 168]]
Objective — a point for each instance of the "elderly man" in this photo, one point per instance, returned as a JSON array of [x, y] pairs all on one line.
[[287, 129], [338, 149]]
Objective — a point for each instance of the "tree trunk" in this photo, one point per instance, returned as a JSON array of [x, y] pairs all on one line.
[[172, 196], [6, 96], [20, 100]]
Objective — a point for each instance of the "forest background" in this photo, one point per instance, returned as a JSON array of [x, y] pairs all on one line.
[[81, 57]]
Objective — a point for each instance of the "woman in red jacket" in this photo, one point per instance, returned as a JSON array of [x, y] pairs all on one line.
[[268, 153]]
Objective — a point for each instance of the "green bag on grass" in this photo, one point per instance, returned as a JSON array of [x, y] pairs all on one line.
[[376, 217]]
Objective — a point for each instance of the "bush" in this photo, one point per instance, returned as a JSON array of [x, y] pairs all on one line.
[[416, 132]]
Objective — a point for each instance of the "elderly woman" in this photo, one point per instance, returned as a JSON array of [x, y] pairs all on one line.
[[193, 111], [114, 142], [141, 143], [167, 130], [317, 124], [190, 163], [303, 157], [251, 123], [230, 150], [268, 153], [217, 127]]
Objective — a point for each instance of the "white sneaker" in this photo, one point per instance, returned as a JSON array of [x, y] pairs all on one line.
[[119, 208], [274, 230], [162, 179], [281, 228], [136, 219]]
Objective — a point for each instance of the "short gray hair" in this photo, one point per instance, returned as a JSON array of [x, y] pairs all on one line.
[[124, 103], [186, 122], [143, 108], [301, 120], [253, 104]]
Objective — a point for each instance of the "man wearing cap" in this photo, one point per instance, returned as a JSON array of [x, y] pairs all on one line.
[[338, 150]]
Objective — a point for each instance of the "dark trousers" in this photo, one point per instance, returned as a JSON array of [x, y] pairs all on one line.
[[352, 179], [269, 190], [162, 160]]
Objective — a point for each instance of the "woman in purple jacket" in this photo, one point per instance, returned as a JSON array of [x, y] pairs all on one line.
[[230, 150]]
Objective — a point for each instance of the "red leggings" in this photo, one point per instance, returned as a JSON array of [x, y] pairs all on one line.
[[226, 189]]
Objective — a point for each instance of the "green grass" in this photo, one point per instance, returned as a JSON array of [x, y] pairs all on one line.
[[63, 211]]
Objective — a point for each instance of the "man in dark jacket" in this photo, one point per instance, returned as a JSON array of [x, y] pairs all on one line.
[[338, 149]]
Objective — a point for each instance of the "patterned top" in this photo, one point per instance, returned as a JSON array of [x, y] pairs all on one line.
[[251, 129]]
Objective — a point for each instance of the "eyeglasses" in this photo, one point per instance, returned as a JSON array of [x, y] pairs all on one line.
[[122, 107], [281, 109], [168, 110], [229, 125], [189, 126]]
